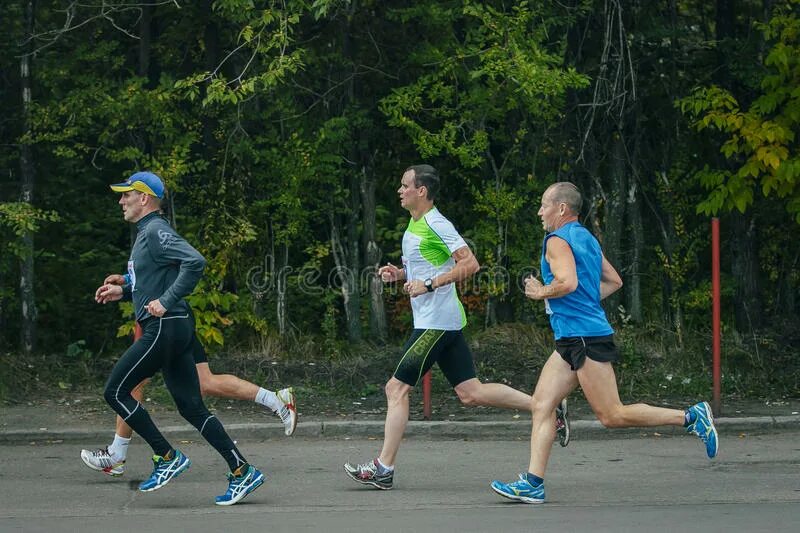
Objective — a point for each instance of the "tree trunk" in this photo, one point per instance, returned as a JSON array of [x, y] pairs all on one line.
[[785, 300], [377, 311], [353, 261], [3, 330], [615, 215], [494, 301], [145, 38], [143, 69], [347, 281], [27, 173], [281, 289], [744, 248], [745, 270], [211, 61], [633, 284], [349, 264]]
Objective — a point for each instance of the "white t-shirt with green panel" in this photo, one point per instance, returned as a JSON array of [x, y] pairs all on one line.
[[428, 245]]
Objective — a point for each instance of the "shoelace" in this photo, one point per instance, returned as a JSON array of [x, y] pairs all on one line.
[[367, 470]]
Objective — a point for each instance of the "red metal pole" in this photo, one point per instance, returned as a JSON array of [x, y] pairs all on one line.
[[137, 331], [426, 395], [715, 315]]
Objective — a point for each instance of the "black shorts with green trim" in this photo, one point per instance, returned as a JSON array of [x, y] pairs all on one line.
[[425, 347], [575, 350]]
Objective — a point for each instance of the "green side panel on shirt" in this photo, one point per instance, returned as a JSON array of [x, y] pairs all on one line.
[[461, 308], [431, 246]]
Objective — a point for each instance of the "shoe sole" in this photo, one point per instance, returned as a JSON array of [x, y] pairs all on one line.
[[363, 482], [293, 410], [564, 436], [103, 470], [713, 430], [253, 486], [515, 498], [173, 476], [289, 432]]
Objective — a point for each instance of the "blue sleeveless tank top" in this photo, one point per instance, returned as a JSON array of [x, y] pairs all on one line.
[[579, 313]]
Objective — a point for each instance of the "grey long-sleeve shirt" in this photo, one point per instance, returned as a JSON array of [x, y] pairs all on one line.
[[162, 266]]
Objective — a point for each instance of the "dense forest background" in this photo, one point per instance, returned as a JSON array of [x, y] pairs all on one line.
[[282, 129]]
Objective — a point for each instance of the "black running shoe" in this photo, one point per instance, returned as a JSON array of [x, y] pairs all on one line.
[[562, 423], [367, 474]]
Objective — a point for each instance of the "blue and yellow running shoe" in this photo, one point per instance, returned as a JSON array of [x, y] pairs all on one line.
[[164, 471], [520, 490], [703, 427], [240, 486]]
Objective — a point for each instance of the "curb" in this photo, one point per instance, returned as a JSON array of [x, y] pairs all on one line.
[[486, 430]]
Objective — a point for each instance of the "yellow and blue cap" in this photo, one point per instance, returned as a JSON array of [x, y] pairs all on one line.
[[145, 182]]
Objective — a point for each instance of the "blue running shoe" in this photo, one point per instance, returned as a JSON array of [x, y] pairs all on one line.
[[521, 490], [241, 486], [703, 427], [164, 471]]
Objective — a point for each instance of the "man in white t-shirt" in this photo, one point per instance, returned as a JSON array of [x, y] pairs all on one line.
[[435, 258]]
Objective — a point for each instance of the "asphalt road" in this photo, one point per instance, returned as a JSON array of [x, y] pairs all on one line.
[[634, 483]]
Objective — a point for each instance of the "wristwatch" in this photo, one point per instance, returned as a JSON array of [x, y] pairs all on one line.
[[429, 284]]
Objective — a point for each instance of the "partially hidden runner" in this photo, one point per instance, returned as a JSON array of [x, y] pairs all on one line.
[[111, 459]]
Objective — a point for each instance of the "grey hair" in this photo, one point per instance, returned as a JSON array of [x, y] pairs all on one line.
[[566, 192]]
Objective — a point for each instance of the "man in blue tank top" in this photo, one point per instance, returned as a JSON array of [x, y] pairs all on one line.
[[576, 277]]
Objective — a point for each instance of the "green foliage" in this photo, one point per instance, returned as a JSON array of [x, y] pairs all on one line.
[[22, 218], [264, 117], [485, 90], [264, 43], [210, 307], [126, 329], [759, 141], [469, 87], [78, 350]]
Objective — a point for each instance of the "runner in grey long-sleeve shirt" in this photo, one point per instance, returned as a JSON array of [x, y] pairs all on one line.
[[158, 246], [163, 269]]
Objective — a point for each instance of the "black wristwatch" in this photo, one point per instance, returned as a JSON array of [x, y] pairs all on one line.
[[429, 284]]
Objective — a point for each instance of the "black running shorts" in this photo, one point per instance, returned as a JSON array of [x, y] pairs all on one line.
[[425, 347], [575, 350]]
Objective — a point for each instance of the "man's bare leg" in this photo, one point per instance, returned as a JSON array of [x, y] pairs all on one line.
[[282, 402], [216, 385], [556, 381], [472, 392], [396, 419], [599, 385], [380, 471], [225, 385]]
